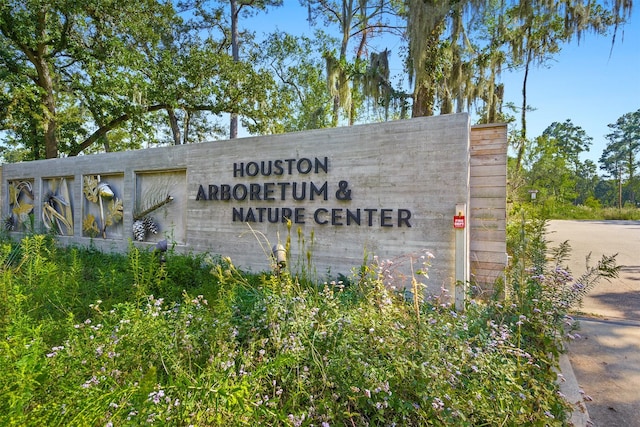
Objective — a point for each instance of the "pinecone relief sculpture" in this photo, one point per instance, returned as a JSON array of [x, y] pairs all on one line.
[[139, 233], [144, 224]]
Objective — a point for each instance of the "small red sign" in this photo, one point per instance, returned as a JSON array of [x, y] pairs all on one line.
[[458, 221]]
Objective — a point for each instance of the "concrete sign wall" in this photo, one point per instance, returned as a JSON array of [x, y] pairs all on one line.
[[381, 190]]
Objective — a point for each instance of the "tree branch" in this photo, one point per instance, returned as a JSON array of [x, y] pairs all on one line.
[[103, 130], [109, 126]]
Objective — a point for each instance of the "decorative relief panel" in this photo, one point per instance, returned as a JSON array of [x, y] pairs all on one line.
[[103, 206], [57, 205], [21, 204], [159, 211]]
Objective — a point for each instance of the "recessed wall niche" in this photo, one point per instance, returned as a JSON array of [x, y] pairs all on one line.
[[21, 203], [57, 205], [103, 206], [160, 206]]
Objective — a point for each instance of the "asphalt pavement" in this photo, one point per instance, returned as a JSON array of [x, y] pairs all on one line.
[[605, 358]]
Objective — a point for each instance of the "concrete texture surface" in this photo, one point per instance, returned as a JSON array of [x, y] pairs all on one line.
[[606, 357]]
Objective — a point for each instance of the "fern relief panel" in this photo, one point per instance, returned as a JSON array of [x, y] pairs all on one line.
[[160, 206]]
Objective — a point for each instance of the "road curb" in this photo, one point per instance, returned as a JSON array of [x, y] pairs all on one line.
[[579, 416]]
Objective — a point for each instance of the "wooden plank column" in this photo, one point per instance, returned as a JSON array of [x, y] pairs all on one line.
[[488, 210]]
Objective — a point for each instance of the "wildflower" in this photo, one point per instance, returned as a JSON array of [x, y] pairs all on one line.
[[296, 421], [55, 350], [91, 381], [156, 396]]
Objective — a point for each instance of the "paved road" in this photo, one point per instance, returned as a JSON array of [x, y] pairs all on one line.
[[606, 359]]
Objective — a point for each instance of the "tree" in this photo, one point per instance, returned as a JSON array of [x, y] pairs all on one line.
[[457, 49], [570, 140], [587, 181], [357, 22], [548, 173], [236, 8], [538, 29], [431, 58], [210, 15], [554, 163], [621, 156], [302, 93], [56, 51], [82, 72]]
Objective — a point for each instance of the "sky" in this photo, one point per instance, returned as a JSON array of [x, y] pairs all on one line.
[[587, 82]]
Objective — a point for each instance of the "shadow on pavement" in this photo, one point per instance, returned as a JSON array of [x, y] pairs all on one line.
[[631, 272], [606, 361], [628, 303]]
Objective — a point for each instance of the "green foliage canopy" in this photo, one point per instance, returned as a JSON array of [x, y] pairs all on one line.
[[621, 156], [78, 73]]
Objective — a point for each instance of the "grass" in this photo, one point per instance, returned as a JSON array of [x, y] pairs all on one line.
[[91, 338], [582, 212]]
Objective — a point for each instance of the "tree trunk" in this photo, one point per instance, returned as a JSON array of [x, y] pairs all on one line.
[[175, 129], [619, 189], [424, 93], [38, 57], [235, 53], [422, 101], [49, 123], [523, 114], [187, 126]]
